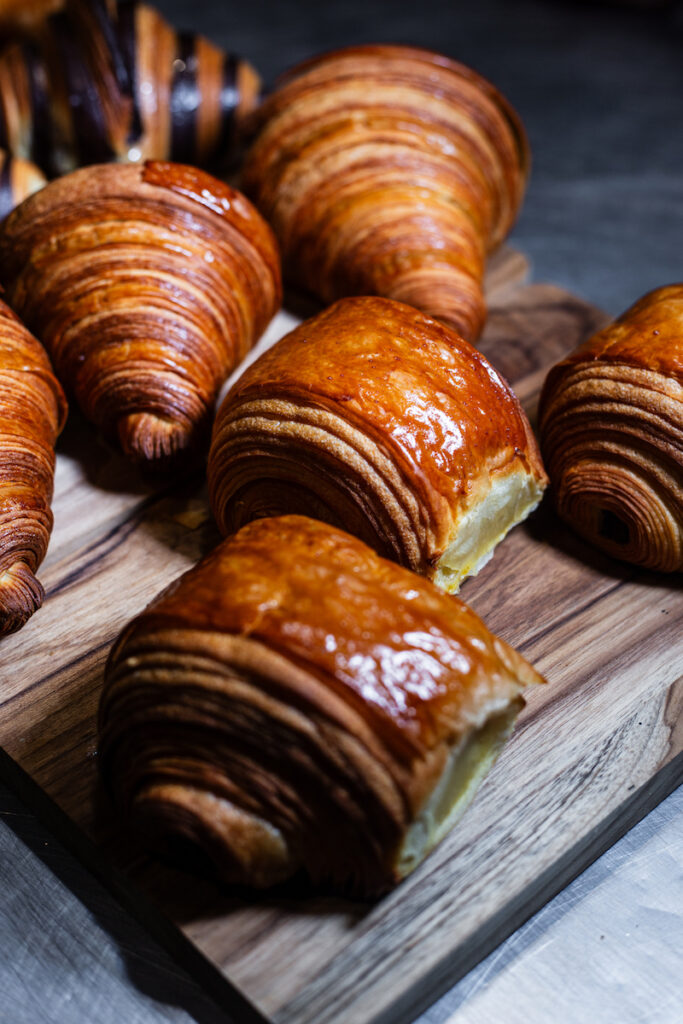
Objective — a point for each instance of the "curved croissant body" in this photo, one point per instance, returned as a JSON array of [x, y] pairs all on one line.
[[296, 701], [101, 81], [384, 422], [392, 171], [611, 420], [147, 286], [18, 179], [32, 413]]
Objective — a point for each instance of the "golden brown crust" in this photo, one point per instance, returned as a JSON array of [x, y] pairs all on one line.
[[389, 170], [331, 684], [32, 413], [147, 285], [100, 81], [375, 418], [611, 421]]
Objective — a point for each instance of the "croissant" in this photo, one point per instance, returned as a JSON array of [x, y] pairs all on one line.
[[392, 171], [147, 285], [32, 413], [105, 82], [18, 179], [295, 701], [611, 421], [379, 420]]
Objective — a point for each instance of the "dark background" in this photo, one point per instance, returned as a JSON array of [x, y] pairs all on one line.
[[600, 89]]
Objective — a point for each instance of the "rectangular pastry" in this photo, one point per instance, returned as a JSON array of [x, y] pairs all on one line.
[[296, 702], [380, 420]]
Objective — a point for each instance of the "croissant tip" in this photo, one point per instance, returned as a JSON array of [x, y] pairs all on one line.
[[21, 595], [152, 439]]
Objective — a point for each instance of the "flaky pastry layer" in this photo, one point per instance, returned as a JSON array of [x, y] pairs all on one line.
[[32, 413], [296, 702], [387, 424], [147, 285], [389, 170]]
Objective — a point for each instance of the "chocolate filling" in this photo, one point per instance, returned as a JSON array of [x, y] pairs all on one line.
[[89, 124], [185, 99], [117, 54], [229, 100], [126, 38], [41, 121]]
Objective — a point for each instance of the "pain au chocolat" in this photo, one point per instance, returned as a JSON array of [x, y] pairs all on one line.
[[611, 421], [147, 286], [389, 170], [101, 81], [382, 421], [297, 702], [32, 413]]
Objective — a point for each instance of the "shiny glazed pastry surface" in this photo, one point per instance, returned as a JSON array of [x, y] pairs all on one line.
[[32, 413], [147, 285], [104, 81], [382, 421], [611, 420], [297, 702], [389, 170]]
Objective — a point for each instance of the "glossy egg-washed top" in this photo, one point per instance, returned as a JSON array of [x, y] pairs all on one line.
[[648, 336], [422, 393], [147, 285], [419, 664]]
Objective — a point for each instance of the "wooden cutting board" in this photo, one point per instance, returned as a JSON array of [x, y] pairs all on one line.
[[592, 753]]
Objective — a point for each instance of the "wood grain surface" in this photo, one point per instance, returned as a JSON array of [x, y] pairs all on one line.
[[592, 752]]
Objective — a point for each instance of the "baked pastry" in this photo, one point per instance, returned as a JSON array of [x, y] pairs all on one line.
[[147, 286], [18, 179], [392, 171], [295, 701], [24, 15], [32, 413], [382, 421], [611, 422], [102, 81]]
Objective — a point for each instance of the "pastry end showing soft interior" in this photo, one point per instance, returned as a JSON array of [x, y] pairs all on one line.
[[468, 763], [508, 501]]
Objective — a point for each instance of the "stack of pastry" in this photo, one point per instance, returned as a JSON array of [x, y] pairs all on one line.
[[297, 701]]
